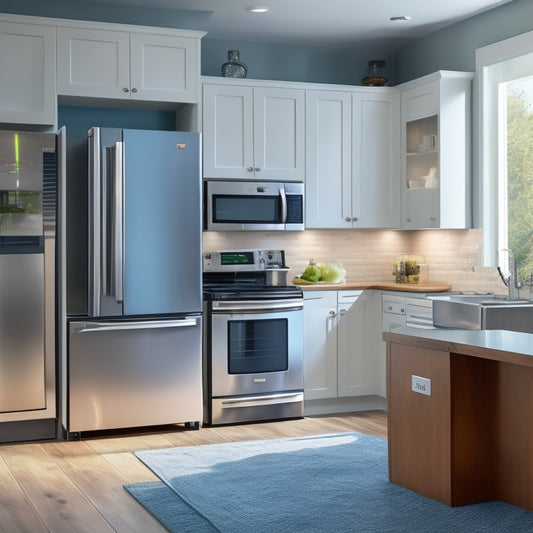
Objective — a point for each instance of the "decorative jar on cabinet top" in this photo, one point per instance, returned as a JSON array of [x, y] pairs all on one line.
[[234, 67]]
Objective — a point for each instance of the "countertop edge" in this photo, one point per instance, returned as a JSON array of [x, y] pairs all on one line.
[[497, 345], [381, 285]]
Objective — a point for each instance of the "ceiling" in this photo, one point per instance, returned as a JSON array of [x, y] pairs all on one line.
[[335, 23]]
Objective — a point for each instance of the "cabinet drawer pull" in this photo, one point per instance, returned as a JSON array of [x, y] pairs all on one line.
[[134, 90], [126, 90]]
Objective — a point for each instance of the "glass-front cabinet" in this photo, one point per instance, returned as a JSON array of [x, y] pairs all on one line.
[[436, 173]]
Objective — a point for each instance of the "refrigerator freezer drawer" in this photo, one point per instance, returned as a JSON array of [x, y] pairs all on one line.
[[132, 374]]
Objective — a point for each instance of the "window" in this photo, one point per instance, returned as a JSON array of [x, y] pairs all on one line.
[[505, 184], [516, 174]]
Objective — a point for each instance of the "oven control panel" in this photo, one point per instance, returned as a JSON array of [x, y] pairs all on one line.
[[242, 260]]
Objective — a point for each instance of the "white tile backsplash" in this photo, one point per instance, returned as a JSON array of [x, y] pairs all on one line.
[[453, 256]]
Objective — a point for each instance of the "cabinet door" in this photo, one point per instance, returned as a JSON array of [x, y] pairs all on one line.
[[376, 160], [279, 133], [164, 68], [227, 131], [328, 144], [320, 345], [358, 354], [27, 83], [420, 102], [436, 147], [93, 63]]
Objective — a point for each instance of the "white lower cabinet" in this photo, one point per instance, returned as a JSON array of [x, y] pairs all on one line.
[[340, 352]]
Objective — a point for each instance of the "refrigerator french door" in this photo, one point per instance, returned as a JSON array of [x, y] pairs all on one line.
[[135, 360]]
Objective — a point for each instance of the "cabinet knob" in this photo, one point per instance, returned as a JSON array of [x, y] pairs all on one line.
[[250, 169], [432, 219], [342, 312], [126, 90], [408, 220], [355, 219], [257, 169], [332, 313], [348, 219], [134, 90]]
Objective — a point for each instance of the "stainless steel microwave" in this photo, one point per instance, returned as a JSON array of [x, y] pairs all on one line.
[[232, 205]]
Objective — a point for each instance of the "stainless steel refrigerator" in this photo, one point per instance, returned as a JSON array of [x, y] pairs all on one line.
[[135, 360], [29, 166]]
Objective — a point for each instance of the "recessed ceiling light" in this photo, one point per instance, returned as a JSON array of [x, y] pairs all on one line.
[[401, 18], [257, 9]]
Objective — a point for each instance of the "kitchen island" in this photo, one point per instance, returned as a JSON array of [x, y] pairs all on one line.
[[460, 414]]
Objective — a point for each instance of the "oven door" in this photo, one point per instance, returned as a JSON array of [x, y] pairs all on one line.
[[256, 347]]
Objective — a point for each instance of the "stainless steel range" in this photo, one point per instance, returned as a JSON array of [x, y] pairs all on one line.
[[253, 338]]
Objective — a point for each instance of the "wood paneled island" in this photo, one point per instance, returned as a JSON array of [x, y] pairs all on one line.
[[460, 414]]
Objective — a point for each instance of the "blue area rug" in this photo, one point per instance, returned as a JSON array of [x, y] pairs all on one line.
[[325, 483]]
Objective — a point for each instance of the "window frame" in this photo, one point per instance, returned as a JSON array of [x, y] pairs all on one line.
[[496, 63]]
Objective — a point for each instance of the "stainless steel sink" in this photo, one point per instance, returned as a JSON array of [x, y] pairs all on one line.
[[482, 312]]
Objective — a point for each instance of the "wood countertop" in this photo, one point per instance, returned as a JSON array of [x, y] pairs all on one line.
[[382, 285], [494, 344]]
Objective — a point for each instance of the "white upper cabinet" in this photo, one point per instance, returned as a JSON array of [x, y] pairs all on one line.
[[352, 159], [328, 186], [253, 132], [27, 81], [436, 151], [118, 64], [375, 157]]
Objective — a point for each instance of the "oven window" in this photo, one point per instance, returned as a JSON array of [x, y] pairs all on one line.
[[246, 209], [258, 346]]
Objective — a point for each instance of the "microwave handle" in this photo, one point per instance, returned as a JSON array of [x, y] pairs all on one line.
[[283, 205]]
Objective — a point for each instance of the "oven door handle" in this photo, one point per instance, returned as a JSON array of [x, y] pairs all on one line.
[[270, 399], [257, 306]]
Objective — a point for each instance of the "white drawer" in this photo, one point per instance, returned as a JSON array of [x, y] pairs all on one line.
[[393, 304]]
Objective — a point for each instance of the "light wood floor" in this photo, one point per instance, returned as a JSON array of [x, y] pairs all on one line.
[[77, 486]]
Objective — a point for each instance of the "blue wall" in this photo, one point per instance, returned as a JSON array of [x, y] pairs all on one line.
[[265, 61], [453, 47]]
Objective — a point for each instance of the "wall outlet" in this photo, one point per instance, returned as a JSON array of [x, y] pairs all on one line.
[[421, 385]]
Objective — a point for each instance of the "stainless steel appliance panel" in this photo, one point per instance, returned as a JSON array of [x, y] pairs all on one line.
[[250, 205], [227, 384], [132, 374], [22, 359], [162, 223], [23, 157], [262, 407], [145, 227]]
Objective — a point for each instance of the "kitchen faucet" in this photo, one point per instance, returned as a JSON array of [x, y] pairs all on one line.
[[511, 282]]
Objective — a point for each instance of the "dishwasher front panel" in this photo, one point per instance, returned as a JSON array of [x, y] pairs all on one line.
[[133, 374]]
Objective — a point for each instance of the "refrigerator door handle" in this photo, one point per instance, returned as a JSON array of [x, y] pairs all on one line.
[[118, 222], [97, 327], [95, 242]]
